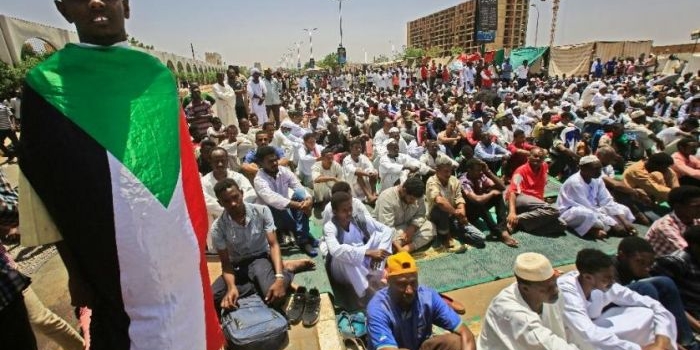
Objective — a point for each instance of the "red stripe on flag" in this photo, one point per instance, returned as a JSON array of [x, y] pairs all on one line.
[[194, 198]]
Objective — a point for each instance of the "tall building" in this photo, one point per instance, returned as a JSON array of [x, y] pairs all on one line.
[[455, 26], [213, 58]]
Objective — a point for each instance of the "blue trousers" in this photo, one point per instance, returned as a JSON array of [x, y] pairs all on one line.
[[664, 290], [294, 221]]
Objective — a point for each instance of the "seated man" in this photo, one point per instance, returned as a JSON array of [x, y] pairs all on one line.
[[632, 264], [324, 174], [360, 173], [666, 234], [600, 314], [519, 150], [203, 163], [394, 167], [357, 248], [219, 163], [249, 166], [654, 176], [433, 152], [493, 154], [526, 207], [527, 315], [563, 151], [272, 183], [394, 313], [634, 198], [586, 205], [251, 260], [358, 208], [683, 268], [308, 154], [403, 208], [685, 164], [447, 208], [483, 190]]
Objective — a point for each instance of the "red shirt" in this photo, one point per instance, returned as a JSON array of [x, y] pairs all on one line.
[[517, 159], [445, 75], [424, 73], [526, 181]]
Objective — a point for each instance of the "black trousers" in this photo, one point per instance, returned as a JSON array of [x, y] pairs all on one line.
[[477, 210], [241, 112], [687, 180], [15, 331]]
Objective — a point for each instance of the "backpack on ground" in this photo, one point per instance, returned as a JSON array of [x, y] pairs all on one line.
[[254, 325]]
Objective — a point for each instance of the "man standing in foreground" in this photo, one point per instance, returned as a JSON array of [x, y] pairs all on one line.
[[135, 187], [402, 315], [527, 315]]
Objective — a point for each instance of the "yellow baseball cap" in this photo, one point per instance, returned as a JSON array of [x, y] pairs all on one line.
[[401, 263]]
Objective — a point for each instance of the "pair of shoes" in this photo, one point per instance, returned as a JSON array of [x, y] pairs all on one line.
[[474, 236], [305, 307]]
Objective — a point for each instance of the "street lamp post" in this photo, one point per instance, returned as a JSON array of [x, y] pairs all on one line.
[[298, 43], [537, 23], [311, 42], [340, 16]]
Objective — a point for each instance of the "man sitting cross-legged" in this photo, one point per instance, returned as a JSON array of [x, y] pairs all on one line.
[[526, 207], [483, 190], [357, 248], [403, 208], [360, 173], [251, 260], [586, 205]]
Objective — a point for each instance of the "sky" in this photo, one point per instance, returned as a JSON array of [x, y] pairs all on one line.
[[244, 32]]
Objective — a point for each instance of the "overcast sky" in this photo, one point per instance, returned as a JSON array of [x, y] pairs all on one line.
[[262, 30]]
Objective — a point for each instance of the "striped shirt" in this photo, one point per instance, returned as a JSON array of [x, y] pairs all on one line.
[[683, 269], [199, 115], [5, 114], [12, 282]]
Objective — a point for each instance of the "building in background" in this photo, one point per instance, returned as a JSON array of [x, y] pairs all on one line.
[[454, 27], [213, 58]]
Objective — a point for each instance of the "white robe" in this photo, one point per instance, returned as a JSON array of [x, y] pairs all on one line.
[[510, 324], [391, 169], [257, 105], [349, 169], [632, 323], [349, 264], [584, 206], [225, 104]]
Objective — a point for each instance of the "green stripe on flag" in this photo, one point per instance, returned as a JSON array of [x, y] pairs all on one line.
[[126, 100]]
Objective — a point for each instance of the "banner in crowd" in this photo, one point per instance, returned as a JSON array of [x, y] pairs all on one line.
[[570, 60], [531, 54]]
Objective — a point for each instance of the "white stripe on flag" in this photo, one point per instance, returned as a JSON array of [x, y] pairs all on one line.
[[159, 266]]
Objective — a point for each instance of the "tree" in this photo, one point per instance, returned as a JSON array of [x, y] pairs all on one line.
[[12, 78], [413, 53], [456, 50], [433, 52], [381, 59], [330, 61]]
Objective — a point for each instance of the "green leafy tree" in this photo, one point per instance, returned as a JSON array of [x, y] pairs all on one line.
[[381, 59], [456, 50], [12, 78], [330, 61], [433, 52], [413, 53]]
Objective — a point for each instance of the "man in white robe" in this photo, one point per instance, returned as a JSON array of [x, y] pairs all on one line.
[[395, 167], [586, 205], [325, 173], [357, 247], [528, 314], [256, 94], [225, 101], [360, 173], [600, 314]]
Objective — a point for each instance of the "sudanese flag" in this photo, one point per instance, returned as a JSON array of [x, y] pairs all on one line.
[[106, 148]]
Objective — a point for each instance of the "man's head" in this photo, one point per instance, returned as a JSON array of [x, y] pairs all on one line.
[[688, 146], [432, 147], [518, 136], [443, 169], [474, 168], [98, 22], [244, 125], [262, 138], [537, 280], [341, 186], [229, 196], [195, 92], [536, 158], [327, 157], [590, 168], [341, 204], [402, 276], [309, 140], [205, 148], [218, 160], [355, 147], [216, 123], [607, 155], [267, 159], [392, 148], [689, 125], [637, 255], [231, 75], [231, 132], [220, 78], [412, 190], [486, 139], [685, 202], [659, 162], [596, 269]]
